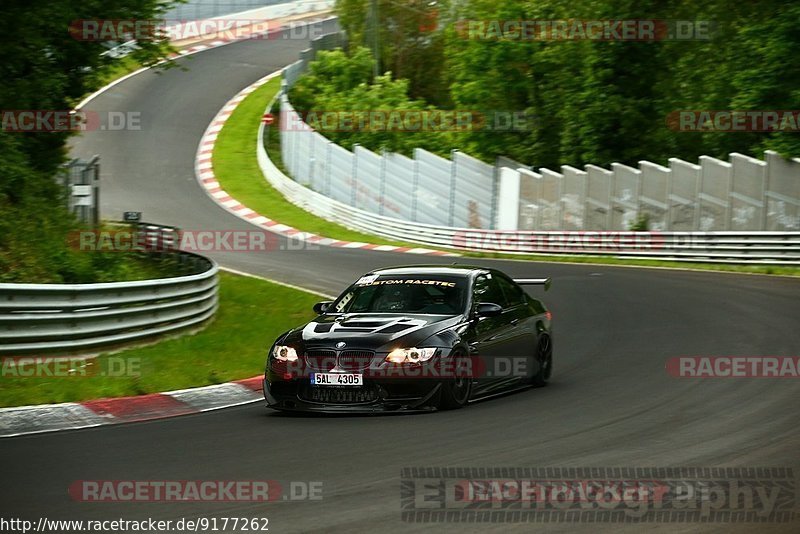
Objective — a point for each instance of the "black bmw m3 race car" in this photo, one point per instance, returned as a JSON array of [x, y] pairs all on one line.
[[413, 338]]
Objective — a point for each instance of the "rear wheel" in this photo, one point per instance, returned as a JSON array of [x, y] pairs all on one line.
[[456, 391], [544, 357]]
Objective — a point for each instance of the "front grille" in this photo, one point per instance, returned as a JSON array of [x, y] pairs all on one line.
[[338, 395], [321, 360], [355, 360]]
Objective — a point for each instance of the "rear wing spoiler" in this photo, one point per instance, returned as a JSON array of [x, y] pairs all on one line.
[[534, 282]]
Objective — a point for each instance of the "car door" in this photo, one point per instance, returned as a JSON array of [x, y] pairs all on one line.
[[491, 337], [523, 337]]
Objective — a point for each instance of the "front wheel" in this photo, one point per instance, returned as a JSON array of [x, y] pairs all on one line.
[[544, 356], [456, 391]]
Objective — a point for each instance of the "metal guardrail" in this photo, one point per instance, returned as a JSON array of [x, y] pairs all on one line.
[[71, 318], [714, 247]]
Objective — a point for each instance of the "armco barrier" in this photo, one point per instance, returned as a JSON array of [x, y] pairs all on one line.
[[72, 318], [721, 247]]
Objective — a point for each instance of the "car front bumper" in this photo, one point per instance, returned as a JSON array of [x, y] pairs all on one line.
[[375, 396]]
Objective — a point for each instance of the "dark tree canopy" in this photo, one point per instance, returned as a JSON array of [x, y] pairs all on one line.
[[593, 101]]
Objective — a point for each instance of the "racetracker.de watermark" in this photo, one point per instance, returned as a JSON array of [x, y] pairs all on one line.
[[566, 241], [734, 366], [48, 120], [69, 367], [184, 240], [194, 490], [585, 30], [435, 369], [597, 494], [770, 120], [175, 30], [399, 120]]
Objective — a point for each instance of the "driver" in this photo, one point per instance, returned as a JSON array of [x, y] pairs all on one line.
[[394, 298]]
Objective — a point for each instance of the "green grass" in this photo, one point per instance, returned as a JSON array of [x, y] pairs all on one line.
[[236, 169], [121, 67], [128, 267], [251, 315]]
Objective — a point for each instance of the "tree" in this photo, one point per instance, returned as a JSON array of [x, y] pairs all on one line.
[[410, 40], [43, 67], [597, 101], [338, 82]]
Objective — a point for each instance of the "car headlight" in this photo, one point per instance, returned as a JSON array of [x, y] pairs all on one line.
[[412, 355], [282, 353]]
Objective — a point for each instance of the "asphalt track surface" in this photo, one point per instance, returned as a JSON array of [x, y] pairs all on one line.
[[611, 402]]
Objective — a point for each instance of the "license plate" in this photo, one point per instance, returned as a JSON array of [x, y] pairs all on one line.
[[337, 379]]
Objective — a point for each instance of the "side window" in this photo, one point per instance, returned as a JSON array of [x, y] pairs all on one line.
[[488, 290], [514, 294]]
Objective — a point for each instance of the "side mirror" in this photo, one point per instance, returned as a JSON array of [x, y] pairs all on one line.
[[488, 309], [322, 307]]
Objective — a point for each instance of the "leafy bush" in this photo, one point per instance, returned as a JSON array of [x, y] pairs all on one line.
[[341, 83], [641, 224]]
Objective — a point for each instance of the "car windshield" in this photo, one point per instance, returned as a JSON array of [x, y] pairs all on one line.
[[429, 294]]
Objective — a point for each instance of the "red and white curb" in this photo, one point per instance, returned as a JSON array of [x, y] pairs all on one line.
[[22, 420], [204, 171]]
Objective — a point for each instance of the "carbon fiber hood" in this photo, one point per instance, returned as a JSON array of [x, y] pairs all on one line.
[[378, 332]]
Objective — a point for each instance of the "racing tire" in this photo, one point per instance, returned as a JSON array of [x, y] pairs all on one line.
[[456, 392], [544, 356]]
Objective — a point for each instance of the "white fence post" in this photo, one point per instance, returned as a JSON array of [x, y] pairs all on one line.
[[598, 198], [415, 188], [452, 209], [573, 198], [508, 199], [354, 178], [783, 194], [747, 193], [551, 191], [530, 199], [654, 195], [625, 196], [683, 190], [382, 194], [714, 196]]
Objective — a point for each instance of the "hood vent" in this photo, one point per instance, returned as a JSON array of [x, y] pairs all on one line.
[[355, 323], [376, 325], [396, 327]]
